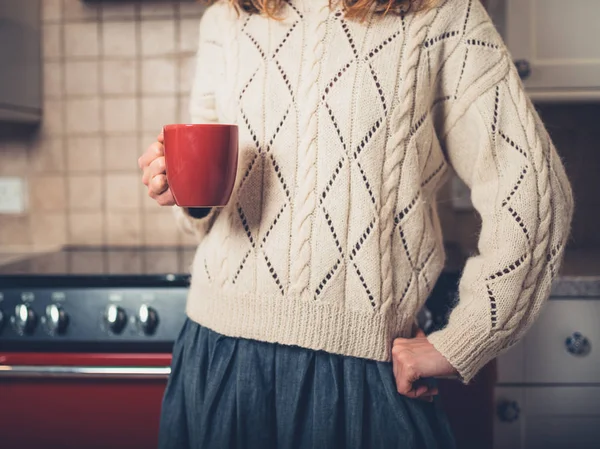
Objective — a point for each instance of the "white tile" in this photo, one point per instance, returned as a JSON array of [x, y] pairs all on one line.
[[121, 153], [122, 190], [184, 109], [85, 192], [83, 116], [84, 154], [158, 76], [119, 39], [160, 227], [81, 78], [158, 37], [49, 228], [162, 9], [113, 11], [52, 117], [79, 10], [120, 114], [14, 230], [157, 112], [47, 193], [53, 77], [187, 9], [187, 68], [86, 228], [13, 158], [47, 155], [51, 10], [189, 35], [81, 39], [119, 77], [51, 46], [124, 228]]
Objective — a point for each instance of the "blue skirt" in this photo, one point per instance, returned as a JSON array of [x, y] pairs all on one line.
[[235, 393]]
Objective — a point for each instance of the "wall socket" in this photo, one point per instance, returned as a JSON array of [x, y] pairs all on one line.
[[13, 195]]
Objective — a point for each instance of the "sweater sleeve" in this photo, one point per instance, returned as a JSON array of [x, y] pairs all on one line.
[[499, 147], [209, 70]]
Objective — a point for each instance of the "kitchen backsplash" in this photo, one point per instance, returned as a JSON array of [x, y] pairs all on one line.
[[114, 74]]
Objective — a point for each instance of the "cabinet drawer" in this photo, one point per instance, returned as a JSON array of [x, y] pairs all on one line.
[[563, 346], [547, 417]]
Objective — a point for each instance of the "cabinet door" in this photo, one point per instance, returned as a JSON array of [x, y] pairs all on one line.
[[562, 417], [563, 346], [559, 41], [531, 417]]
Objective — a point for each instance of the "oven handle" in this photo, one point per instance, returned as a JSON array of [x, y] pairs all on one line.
[[85, 372]]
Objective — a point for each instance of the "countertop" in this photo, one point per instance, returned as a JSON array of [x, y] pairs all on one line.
[[579, 276]]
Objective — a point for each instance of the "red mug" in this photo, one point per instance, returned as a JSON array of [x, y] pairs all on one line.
[[201, 163]]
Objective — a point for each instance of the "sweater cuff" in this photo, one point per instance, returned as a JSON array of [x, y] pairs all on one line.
[[195, 221], [466, 345], [198, 212]]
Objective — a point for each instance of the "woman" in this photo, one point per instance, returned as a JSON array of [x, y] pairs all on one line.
[[306, 286]]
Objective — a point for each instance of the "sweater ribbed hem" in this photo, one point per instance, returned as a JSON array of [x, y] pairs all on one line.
[[322, 327]]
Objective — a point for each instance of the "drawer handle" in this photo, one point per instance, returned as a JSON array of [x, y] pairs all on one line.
[[85, 372], [508, 411], [578, 345]]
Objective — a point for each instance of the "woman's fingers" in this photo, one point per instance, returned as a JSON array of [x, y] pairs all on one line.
[[153, 165], [161, 192], [156, 167], [158, 185], [154, 151], [166, 199]]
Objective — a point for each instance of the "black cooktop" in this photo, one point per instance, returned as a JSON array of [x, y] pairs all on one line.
[[101, 266]]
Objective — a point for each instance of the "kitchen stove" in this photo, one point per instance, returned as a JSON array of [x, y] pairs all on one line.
[[85, 342]]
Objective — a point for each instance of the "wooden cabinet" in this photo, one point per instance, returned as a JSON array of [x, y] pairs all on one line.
[[555, 45]]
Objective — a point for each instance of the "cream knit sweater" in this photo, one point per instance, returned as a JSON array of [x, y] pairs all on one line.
[[331, 240]]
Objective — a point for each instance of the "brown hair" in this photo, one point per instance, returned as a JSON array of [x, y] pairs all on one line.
[[352, 8]]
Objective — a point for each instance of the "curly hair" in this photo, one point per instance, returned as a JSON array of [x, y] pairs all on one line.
[[352, 8]]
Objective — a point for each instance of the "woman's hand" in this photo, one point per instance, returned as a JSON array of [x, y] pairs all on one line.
[[152, 163], [414, 360]]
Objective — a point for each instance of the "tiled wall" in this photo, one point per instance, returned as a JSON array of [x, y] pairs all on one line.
[[113, 75]]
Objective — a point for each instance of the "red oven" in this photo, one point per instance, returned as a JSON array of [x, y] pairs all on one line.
[[85, 358], [75, 400]]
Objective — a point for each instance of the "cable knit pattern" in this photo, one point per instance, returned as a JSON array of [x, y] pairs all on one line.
[[331, 240], [402, 120], [307, 151]]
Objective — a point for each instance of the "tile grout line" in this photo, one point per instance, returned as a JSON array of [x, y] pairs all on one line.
[[177, 115], [64, 136], [139, 125], [102, 134]]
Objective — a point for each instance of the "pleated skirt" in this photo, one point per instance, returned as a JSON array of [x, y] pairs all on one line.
[[243, 394]]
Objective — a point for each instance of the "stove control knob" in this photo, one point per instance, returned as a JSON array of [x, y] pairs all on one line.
[[115, 318], [25, 319], [147, 319], [1, 319], [57, 319]]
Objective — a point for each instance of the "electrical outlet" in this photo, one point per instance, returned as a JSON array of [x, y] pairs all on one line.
[[12, 195]]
